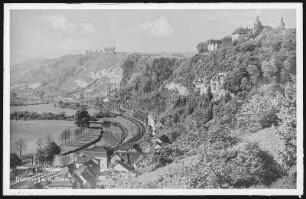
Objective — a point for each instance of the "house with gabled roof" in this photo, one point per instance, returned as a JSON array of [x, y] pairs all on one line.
[[240, 33], [158, 145], [84, 175], [100, 153], [161, 139], [80, 160], [129, 158], [122, 167]]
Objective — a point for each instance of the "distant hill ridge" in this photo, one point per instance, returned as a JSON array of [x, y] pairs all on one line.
[[72, 75], [69, 74]]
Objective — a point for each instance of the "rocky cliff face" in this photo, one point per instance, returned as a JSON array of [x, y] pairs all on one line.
[[182, 90], [146, 73], [215, 82]]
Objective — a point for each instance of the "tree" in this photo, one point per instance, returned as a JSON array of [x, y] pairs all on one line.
[[65, 135], [287, 127], [14, 94], [254, 74], [14, 161], [81, 118], [45, 152], [259, 112], [221, 167], [202, 47], [20, 146], [60, 103], [41, 94], [233, 80], [77, 133], [53, 149]]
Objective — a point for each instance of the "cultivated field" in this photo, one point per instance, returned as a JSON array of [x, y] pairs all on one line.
[[33, 130]]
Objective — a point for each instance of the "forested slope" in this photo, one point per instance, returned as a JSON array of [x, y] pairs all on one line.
[[237, 90]]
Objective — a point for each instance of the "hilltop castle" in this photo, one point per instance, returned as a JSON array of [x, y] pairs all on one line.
[[110, 50], [241, 33], [257, 27], [282, 24]]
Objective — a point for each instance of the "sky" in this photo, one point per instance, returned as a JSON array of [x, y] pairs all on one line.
[[54, 33]]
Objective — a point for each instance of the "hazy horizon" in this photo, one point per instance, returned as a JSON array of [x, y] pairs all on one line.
[[45, 34]]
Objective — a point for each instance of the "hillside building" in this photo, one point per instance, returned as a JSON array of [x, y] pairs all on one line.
[[282, 24], [110, 50], [257, 28], [240, 33], [213, 45]]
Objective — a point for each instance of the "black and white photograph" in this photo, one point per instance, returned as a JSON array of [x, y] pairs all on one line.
[[153, 99]]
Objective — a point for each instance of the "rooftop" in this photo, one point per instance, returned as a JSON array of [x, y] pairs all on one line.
[[131, 157], [101, 149], [83, 158], [214, 41], [80, 170], [125, 147], [160, 144], [125, 166], [241, 31]]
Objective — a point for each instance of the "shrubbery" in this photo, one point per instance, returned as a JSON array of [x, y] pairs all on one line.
[[25, 115], [199, 124], [260, 111], [287, 125], [46, 151], [223, 168]]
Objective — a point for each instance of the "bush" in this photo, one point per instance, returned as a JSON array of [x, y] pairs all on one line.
[[240, 168], [46, 152], [14, 161], [259, 111], [233, 80], [287, 127], [164, 156], [225, 112]]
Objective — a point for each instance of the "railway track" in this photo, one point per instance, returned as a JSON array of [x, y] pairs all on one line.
[[140, 132]]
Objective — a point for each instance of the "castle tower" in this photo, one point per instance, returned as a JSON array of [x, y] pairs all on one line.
[[282, 24], [257, 28]]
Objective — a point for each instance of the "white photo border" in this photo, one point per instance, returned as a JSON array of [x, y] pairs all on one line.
[[186, 6]]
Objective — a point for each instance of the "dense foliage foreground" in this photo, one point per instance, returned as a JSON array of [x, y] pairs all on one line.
[[206, 118]]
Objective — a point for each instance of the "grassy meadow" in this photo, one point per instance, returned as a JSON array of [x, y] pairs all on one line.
[[33, 130]]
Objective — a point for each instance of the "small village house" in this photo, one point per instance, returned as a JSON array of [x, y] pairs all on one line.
[[100, 153]]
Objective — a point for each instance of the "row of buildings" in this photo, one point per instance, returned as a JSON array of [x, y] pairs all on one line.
[[108, 50], [241, 33], [98, 166], [95, 166]]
